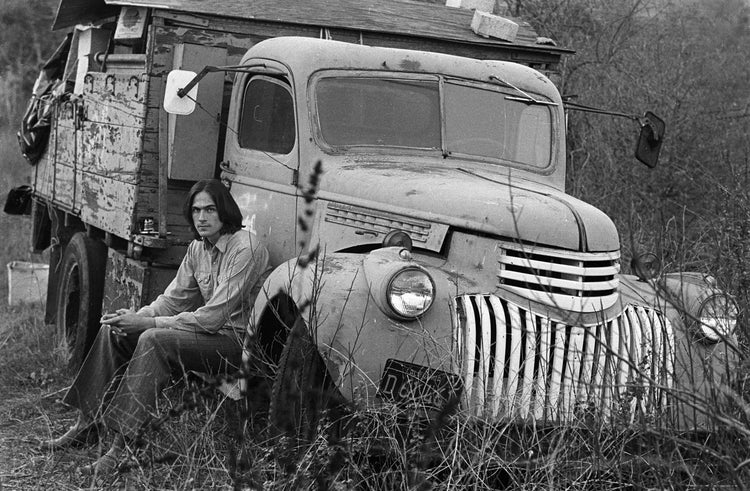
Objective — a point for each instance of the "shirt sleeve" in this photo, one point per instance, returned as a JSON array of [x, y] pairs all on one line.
[[243, 267]]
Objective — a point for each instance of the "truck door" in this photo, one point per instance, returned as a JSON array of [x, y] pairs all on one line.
[[262, 160]]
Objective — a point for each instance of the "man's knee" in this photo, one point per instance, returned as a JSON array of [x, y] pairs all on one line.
[[159, 339], [151, 337]]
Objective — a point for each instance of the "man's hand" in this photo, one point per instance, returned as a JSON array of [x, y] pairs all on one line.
[[124, 322]]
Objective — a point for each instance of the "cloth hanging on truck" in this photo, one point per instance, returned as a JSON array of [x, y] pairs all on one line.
[[36, 121], [18, 201]]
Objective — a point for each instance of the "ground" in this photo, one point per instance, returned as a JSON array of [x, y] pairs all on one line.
[[384, 448]]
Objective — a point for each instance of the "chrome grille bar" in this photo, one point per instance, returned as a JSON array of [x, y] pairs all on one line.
[[515, 363], [576, 281], [501, 340]]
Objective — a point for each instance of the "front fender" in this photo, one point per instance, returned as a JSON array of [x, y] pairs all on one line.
[[354, 334], [703, 370]]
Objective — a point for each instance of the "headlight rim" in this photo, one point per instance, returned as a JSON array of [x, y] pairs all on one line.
[[706, 333], [389, 284]]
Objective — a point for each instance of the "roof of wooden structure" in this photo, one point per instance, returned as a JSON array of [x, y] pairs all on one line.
[[397, 17]]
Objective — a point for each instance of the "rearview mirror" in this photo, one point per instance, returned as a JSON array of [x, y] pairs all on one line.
[[173, 103], [650, 139]]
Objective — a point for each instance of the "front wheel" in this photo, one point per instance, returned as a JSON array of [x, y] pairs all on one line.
[[302, 390], [79, 297]]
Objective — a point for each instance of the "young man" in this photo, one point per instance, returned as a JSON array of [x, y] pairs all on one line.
[[198, 323]]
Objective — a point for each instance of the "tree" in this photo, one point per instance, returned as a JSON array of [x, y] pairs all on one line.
[[686, 62], [25, 42]]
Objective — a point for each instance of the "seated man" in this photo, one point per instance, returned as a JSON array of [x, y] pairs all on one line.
[[198, 323]]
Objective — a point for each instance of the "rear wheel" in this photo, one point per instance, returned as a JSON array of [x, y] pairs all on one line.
[[302, 390], [79, 297]]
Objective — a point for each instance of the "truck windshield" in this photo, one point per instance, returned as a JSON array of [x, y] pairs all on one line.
[[480, 121], [381, 112]]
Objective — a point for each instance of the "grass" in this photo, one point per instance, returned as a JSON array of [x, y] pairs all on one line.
[[385, 448]]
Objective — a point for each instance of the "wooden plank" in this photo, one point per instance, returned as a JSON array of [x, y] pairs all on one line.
[[148, 202], [178, 227], [63, 192], [72, 12], [149, 175], [167, 37], [42, 182], [66, 141], [389, 16], [115, 99], [162, 174], [106, 203], [111, 150], [236, 45]]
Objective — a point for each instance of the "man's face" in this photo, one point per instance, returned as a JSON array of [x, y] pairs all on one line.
[[206, 217]]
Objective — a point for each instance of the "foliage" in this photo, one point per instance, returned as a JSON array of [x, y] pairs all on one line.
[[685, 62], [25, 43]]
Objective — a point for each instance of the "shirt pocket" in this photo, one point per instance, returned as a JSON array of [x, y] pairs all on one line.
[[204, 284]]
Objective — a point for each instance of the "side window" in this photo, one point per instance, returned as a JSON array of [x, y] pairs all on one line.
[[267, 116]]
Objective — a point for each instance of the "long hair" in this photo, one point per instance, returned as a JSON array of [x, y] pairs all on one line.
[[229, 213]]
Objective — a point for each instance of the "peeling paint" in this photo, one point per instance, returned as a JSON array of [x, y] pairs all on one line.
[[410, 65]]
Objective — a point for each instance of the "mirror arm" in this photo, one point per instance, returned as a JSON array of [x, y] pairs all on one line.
[[209, 69], [186, 89], [572, 106]]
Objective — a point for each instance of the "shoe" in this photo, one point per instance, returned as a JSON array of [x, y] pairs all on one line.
[[108, 465], [77, 434], [104, 468]]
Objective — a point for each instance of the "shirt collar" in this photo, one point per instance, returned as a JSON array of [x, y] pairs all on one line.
[[221, 244]]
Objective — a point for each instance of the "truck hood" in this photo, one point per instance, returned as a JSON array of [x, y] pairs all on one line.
[[481, 201]]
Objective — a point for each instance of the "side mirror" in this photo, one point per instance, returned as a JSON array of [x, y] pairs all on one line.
[[173, 102], [650, 139]]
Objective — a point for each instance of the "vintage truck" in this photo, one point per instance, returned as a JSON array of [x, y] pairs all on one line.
[[407, 176]]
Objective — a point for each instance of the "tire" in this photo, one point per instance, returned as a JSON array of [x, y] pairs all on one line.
[[302, 390], [79, 297]]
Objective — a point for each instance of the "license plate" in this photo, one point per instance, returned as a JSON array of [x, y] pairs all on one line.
[[407, 382]]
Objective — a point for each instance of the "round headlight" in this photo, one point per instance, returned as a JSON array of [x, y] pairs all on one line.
[[718, 317], [410, 292]]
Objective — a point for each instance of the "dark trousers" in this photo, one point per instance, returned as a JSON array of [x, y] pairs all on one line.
[[122, 376]]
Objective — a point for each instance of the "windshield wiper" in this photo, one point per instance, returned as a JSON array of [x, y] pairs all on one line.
[[527, 98]]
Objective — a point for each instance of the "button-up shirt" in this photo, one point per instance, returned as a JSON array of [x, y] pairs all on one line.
[[215, 286]]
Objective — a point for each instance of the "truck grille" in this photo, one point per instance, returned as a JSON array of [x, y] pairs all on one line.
[[573, 281], [515, 363]]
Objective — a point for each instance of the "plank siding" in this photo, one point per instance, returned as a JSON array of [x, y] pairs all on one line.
[[238, 35], [380, 16]]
